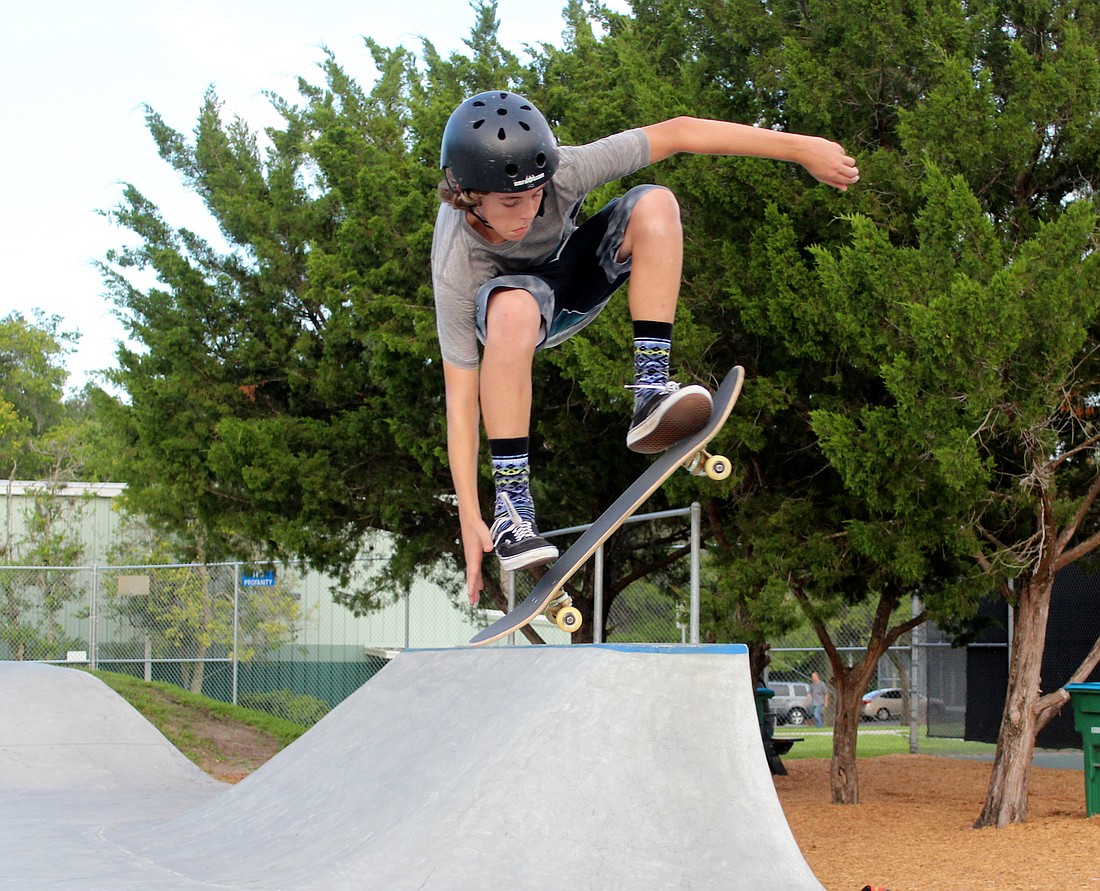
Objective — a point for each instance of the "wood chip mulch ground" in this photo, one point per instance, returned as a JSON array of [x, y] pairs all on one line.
[[912, 829]]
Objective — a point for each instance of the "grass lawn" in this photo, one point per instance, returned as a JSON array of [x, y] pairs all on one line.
[[173, 711], [875, 740]]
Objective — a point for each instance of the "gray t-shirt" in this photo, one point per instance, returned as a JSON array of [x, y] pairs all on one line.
[[462, 261]]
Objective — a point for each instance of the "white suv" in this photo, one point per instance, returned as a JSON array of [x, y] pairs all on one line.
[[789, 705]]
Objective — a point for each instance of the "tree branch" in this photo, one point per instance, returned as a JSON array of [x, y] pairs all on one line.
[[1085, 547], [1079, 517]]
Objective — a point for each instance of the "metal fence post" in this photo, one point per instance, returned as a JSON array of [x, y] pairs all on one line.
[[93, 641], [696, 597], [408, 616], [236, 625], [509, 580], [597, 597], [916, 684]]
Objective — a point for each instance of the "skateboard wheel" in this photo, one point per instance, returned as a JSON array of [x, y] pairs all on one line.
[[718, 467], [568, 619]]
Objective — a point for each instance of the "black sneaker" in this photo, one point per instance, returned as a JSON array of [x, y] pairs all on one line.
[[517, 542], [666, 414]]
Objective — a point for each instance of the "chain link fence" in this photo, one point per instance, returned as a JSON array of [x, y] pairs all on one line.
[[271, 637], [243, 633]]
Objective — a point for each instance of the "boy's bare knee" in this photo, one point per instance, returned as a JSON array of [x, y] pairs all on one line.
[[512, 319], [657, 207], [654, 220]]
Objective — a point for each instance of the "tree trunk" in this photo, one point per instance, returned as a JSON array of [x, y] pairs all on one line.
[[1006, 799], [759, 659], [843, 778], [197, 673]]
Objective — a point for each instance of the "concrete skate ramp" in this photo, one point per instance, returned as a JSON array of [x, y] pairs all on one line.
[[75, 758], [62, 729], [516, 768]]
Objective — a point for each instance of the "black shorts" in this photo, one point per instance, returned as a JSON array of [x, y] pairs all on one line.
[[574, 285]]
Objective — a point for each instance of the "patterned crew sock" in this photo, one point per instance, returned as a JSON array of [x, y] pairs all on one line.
[[652, 348], [512, 476]]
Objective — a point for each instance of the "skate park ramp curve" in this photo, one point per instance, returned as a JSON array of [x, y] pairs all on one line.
[[579, 767]]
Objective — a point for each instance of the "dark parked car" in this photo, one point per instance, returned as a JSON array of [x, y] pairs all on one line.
[[789, 703]]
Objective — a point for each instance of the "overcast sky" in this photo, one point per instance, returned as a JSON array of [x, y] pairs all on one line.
[[78, 73]]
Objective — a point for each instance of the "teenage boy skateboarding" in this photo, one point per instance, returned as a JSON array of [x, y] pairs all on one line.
[[514, 273]]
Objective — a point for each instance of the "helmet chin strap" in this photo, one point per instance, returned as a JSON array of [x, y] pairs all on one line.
[[484, 222]]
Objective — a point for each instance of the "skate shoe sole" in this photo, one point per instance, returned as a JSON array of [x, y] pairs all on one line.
[[685, 413], [528, 559]]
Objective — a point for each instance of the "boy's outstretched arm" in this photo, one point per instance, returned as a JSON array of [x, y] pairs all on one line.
[[463, 439], [825, 160]]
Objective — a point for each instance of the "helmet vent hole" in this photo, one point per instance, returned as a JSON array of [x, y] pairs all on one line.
[[478, 103], [525, 126], [501, 135], [478, 123], [540, 159], [502, 111], [511, 170]]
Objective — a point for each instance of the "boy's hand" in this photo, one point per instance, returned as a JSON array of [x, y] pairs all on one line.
[[476, 543], [827, 163]]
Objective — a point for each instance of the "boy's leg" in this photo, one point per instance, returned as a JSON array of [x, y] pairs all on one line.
[[513, 322], [512, 325], [654, 244]]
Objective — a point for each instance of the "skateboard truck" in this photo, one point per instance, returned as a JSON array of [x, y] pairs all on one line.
[[703, 463], [562, 613]]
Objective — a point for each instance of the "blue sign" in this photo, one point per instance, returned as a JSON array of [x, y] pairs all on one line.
[[258, 579]]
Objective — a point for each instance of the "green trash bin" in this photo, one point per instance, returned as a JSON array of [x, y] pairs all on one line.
[[1086, 718], [763, 713]]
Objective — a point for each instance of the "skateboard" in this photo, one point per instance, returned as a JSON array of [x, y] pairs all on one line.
[[549, 593]]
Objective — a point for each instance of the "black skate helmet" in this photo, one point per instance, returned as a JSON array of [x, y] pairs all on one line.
[[498, 142]]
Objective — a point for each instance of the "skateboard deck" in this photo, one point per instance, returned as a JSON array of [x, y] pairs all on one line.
[[549, 595]]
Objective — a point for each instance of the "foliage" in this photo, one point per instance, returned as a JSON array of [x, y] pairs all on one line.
[[45, 437], [32, 394], [285, 394], [298, 708], [937, 346]]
